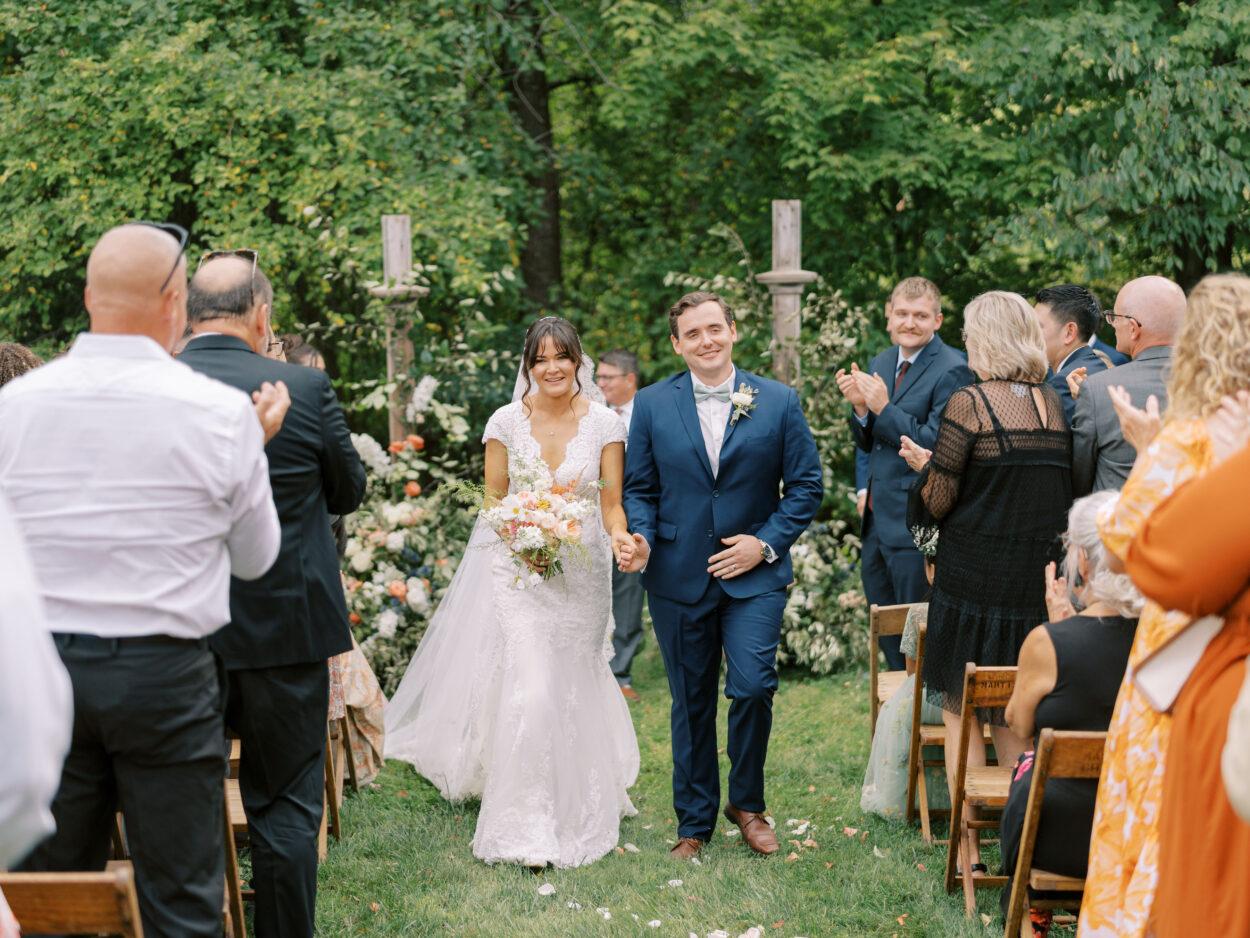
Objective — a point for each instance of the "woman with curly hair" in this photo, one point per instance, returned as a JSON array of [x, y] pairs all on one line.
[[15, 361], [1139, 851]]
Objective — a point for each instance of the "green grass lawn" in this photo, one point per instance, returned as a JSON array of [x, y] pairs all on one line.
[[404, 865]]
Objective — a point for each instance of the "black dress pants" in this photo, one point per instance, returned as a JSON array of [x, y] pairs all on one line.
[[148, 738], [279, 715]]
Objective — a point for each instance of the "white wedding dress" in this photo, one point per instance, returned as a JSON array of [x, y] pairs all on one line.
[[510, 697]]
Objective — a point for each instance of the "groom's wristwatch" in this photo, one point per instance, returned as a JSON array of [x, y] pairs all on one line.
[[767, 552]]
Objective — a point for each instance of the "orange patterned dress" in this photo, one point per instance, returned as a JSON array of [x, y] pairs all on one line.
[[1124, 850]]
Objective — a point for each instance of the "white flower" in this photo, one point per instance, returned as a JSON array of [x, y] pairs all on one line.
[[395, 541], [418, 598], [741, 398], [371, 453], [362, 560], [546, 889], [387, 623], [422, 397], [352, 548]]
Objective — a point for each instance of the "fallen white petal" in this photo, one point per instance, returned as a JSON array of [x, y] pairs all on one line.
[[575, 906], [654, 923], [719, 933], [630, 848], [546, 889], [605, 913], [696, 861], [771, 823], [733, 833], [879, 853], [755, 931], [791, 821], [674, 883], [802, 829]]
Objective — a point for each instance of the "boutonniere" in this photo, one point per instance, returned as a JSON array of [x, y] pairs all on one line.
[[743, 400]]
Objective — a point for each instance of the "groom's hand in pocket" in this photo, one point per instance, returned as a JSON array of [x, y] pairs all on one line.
[[743, 555]]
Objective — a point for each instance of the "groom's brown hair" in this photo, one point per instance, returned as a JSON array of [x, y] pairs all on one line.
[[691, 300]]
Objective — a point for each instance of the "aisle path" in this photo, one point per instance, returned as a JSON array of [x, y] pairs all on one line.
[[404, 867]]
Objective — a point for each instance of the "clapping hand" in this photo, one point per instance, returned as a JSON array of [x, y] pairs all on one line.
[[1076, 377], [1229, 427], [1058, 602], [850, 389], [915, 455], [876, 394], [1139, 427], [272, 402]]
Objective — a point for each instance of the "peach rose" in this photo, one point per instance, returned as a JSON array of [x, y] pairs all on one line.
[[353, 618], [415, 442], [412, 489], [397, 447], [398, 589]]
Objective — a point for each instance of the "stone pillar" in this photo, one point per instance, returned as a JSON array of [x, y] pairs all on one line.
[[401, 299], [786, 282]]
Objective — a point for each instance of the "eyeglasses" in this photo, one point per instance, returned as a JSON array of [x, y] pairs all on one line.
[[274, 345], [248, 254], [607, 377], [1112, 317], [179, 234]]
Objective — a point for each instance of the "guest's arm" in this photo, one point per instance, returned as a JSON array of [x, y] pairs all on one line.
[[894, 423], [939, 483], [1036, 677], [342, 472], [1084, 444], [255, 535], [802, 480], [1192, 553]]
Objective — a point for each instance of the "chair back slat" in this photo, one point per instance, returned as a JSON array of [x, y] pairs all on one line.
[[887, 620], [1076, 754], [94, 903], [990, 687]]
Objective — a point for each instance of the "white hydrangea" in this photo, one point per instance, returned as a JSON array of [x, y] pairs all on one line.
[[387, 623], [395, 541], [372, 454], [422, 398], [418, 598], [529, 538], [353, 547], [362, 560]]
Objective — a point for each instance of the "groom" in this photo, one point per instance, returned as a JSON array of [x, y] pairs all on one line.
[[709, 450]]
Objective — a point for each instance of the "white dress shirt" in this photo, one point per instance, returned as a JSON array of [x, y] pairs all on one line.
[[626, 412], [36, 706], [713, 418], [140, 486]]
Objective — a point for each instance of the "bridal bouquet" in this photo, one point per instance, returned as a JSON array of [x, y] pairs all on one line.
[[536, 524]]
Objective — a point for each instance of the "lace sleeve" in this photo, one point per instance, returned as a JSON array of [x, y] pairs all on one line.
[[939, 483], [499, 425], [613, 430]]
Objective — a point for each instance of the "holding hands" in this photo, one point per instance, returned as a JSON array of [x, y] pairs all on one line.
[[864, 391], [631, 550], [915, 455], [1139, 427]]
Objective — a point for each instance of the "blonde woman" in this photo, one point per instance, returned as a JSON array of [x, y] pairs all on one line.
[[998, 483], [1147, 875]]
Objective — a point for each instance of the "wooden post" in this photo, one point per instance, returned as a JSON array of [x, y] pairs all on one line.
[[401, 297], [785, 282]]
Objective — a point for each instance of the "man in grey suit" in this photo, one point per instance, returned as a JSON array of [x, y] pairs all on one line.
[[617, 378], [1147, 317]]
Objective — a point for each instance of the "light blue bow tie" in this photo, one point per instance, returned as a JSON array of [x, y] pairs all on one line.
[[702, 393]]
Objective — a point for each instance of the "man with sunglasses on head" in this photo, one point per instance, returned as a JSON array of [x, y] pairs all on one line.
[[1147, 318], [285, 625], [140, 487]]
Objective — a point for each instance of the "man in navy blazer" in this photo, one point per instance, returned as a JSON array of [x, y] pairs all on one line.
[[284, 625], [1068, 315], [903, 393], [721, 478]]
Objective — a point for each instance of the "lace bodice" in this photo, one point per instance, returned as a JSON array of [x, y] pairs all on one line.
[[510, 425]]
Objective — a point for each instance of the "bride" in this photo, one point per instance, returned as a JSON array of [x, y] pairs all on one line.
[[510, 697]]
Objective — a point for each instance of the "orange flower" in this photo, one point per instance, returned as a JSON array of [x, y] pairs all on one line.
[[398, 589], [353, 618], [398, 446], [412, 489], [416, 442]]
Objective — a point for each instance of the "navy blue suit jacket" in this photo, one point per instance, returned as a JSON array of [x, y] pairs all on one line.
[[672, 499], [1082, 357], [915, 411]]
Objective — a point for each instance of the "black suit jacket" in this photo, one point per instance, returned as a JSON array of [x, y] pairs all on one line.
[[296, 612]]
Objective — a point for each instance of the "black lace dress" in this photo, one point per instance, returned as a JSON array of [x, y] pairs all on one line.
[[999, 486]]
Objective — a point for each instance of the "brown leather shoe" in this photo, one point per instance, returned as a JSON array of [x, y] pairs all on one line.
[[629, 693], [756, 831], [687, 848]]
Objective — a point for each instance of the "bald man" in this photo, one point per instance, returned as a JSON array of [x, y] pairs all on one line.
[[285, 625], [1147, 317], [140, 487]]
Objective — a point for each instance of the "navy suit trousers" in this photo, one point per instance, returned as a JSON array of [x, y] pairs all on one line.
[[891, 575], [692, 638]]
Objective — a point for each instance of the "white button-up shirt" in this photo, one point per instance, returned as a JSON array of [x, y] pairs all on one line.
[[713, 418], [140, 487], [626, 412], [36, 706]]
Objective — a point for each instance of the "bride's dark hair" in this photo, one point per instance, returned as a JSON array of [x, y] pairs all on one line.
[[566, 341]]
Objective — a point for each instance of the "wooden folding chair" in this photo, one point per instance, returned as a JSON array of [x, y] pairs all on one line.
[[92, 903], [334, 778], [883, 620], [923, 736], [1060, 754], [981, 788], [346, 733]]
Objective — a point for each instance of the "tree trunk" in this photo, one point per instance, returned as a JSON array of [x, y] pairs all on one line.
[[528, 97], [1194, 260]]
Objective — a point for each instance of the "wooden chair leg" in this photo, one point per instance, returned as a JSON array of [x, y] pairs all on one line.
[[234, 920], [966, 874], [119, 838], [351, 754], [331, 801], [922, 789]]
